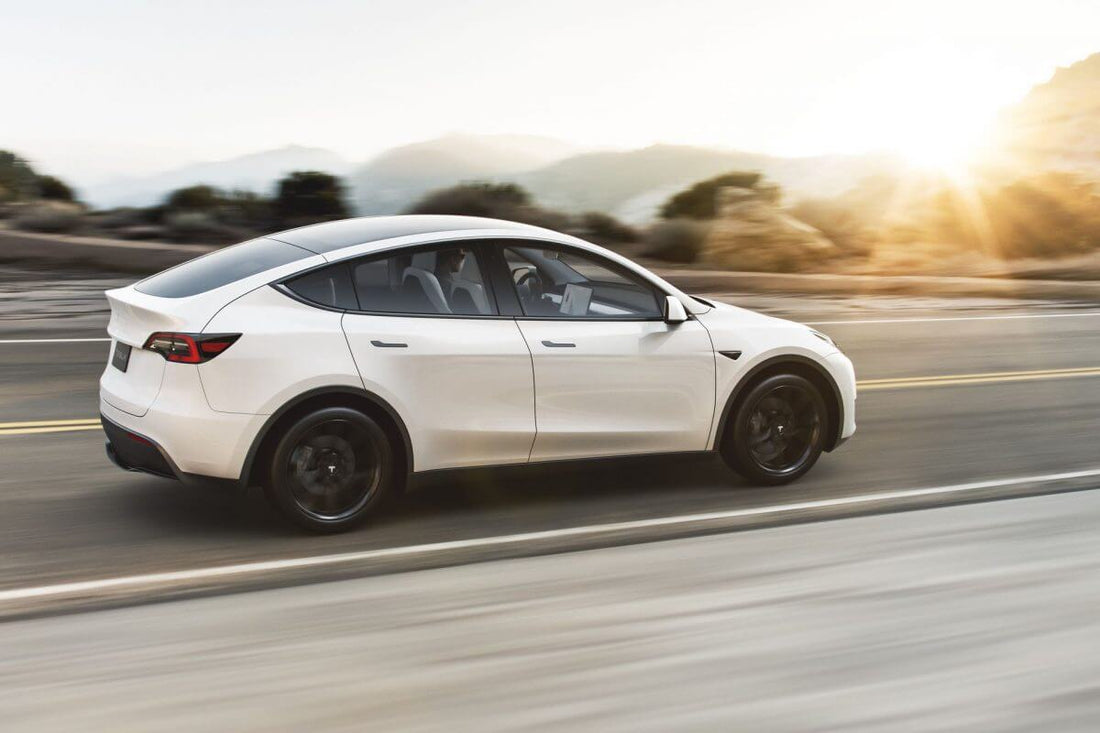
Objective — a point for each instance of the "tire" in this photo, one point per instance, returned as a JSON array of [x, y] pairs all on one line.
[[331, 469], [777, 430]]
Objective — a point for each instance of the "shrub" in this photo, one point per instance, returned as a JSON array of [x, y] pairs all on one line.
[[698, 202], [194, 198], [18, 180], [199, 227], [50, 216], [605, 228], [309, 196], [495, 200], [678, 240], [54, 189]]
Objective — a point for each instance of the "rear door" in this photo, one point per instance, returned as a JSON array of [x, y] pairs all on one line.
[[428, 338], [611, 376]]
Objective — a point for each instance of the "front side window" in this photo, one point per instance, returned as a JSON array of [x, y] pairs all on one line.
[[443, 280], [552, 283]]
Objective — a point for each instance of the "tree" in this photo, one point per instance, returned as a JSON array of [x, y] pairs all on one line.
[[17, 179], [698, 202], [310, 196], [496, 200], [54, 189], [195, 198]]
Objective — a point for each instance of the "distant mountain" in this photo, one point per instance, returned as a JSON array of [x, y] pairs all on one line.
[[253, 172], [1057, 125], [633, 184], [399, 177]]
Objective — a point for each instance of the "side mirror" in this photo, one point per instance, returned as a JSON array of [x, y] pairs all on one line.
[[674, 310]]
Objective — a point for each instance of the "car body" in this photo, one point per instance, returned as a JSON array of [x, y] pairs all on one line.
[[465, 341]]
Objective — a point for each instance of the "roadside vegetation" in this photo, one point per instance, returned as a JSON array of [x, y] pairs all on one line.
[[1042, 225]]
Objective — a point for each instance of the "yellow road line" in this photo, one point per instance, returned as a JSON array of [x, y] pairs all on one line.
[[987, 378], [55, 429], [48, 423], [61, 426]]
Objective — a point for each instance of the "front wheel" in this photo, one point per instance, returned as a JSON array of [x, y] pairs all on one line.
[[330, 469], [777, 432]]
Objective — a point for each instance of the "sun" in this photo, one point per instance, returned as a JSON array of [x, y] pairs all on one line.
[[946, 143]]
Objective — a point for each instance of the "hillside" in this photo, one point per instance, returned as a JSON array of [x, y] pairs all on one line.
[[398, 177], [1057, 125], [253, 172]]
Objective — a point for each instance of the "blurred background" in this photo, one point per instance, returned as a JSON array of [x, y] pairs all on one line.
[[921, 181]]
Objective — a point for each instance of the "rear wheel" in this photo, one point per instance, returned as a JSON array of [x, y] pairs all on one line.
[[331, 469], [778, 430]]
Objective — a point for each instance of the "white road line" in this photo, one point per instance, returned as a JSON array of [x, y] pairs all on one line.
[[1004, 317], [250, 568], [53, 341]]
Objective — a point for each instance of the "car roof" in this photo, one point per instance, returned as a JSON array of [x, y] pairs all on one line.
[[335, 235]]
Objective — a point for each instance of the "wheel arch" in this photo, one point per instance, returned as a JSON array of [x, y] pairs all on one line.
[[255, 463], [794, 364]]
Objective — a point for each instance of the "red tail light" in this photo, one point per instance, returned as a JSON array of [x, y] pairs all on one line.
[[190, 348]]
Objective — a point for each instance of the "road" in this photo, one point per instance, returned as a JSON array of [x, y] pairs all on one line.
[[1008, 412], [69, 515], [972, 618]]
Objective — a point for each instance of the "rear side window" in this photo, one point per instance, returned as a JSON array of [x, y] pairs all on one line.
[[441, 280], [221, 268], [330, 286]]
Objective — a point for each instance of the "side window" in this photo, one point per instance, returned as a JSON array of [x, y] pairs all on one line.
[[567, 284], [443, 280], [330, 286]]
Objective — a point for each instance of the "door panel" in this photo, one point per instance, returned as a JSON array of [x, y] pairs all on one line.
[[623, 387], [463, 386]]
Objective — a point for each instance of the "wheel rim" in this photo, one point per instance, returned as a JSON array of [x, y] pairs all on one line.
[[783, 429], [334, 470]]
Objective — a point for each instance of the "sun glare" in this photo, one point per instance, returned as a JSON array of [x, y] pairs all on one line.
[[944, 143]]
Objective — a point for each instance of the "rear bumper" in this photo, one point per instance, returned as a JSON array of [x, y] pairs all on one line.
[[131, 451]]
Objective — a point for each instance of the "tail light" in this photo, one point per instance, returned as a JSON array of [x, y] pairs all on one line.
[[190, 348]]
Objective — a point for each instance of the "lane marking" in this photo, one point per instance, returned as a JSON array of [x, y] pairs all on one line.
[[48, 423], [864, 385], [686, 520], [941, 319], [53, 341], [35, 427], [986, 378], [59, 429]]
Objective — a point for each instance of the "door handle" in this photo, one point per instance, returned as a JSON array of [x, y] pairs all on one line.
[[389, 344], [559, 344]]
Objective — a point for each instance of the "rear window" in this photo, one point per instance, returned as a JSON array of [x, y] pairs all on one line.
[[221, 268]]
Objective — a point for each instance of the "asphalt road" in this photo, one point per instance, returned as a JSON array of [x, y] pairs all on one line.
[[67, 515], [975, 618]]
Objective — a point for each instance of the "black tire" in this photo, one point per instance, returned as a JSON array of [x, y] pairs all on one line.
[[331, 469], [777, 430]]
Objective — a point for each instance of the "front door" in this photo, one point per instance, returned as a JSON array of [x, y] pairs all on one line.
[[611, 376]]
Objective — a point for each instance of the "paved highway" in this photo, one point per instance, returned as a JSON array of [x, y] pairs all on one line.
[[1022, 399], [960, 401], [975, 618]]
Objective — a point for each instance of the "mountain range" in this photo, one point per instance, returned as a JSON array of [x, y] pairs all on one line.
[[1056, 126]]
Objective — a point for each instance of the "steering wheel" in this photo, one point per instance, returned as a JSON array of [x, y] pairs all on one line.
[[530, 282]]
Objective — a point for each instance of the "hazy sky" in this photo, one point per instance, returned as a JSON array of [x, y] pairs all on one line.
[[93, 89]]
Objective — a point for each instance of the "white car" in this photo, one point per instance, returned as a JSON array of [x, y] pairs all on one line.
[[330, 362]]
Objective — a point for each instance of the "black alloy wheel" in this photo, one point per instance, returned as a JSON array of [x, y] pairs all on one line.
[[778, 430], [330, 469]]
